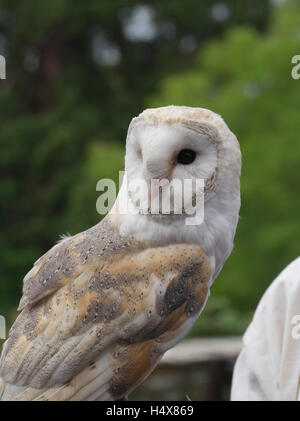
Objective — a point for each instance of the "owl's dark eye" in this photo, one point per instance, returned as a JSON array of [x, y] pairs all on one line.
[[186, 156]]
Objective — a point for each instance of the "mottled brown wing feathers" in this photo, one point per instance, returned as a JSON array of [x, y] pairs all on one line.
[[133, 302], [69, 259]]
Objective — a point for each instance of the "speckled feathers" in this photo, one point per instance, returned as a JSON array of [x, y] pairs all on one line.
[[111, 295]]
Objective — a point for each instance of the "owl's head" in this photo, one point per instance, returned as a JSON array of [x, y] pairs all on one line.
[[179, 143], [184, 143]]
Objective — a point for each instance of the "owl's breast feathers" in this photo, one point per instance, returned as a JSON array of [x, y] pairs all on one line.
[[98, 312]]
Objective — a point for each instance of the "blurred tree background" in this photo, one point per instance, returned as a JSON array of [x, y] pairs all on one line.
[[77, 72]]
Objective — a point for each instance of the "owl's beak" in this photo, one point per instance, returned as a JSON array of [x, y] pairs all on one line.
[[156, 170]]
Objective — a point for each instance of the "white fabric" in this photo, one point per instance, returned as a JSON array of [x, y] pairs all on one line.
[[268, 367]]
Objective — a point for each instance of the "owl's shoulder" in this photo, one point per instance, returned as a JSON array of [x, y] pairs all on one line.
[[72, 256]]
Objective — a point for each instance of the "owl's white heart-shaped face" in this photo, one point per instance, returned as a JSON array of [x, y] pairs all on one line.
[[168, 155]]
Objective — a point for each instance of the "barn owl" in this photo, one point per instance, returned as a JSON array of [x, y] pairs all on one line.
[[101, 308]]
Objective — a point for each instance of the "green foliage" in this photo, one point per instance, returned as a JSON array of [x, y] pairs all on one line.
[[104, 160], [246, 77]]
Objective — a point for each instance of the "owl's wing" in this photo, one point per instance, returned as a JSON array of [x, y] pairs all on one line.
[[103, 327], [73, 256], [62, 263]]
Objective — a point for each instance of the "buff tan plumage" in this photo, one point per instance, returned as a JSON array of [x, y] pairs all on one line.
[[101, 308]]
